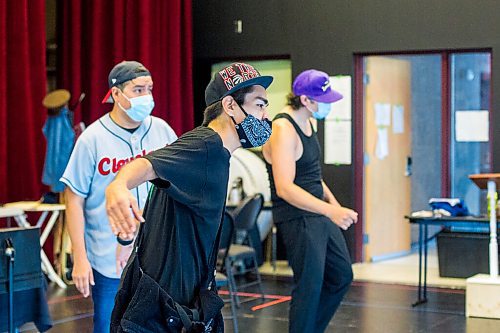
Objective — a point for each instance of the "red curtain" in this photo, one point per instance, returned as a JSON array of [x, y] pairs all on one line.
[[22, 88], [96, 34]]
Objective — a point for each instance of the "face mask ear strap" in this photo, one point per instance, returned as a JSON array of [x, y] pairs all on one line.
[[123, 94], [241, 107], [244, 112]]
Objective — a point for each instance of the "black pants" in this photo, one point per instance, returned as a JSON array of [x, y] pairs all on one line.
[[322, 271]]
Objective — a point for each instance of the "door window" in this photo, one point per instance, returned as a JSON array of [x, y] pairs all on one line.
[[470, 149]]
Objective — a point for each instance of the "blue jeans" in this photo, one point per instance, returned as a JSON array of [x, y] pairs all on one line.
[[103, 295]]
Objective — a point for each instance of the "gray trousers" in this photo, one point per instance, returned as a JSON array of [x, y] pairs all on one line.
[[322, 271]]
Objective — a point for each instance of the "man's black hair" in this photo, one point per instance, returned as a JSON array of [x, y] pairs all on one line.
[[214, 110]]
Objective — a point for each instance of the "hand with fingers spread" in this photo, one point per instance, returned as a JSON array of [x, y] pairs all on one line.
[[82, 275], [122, 209], [343, 217]]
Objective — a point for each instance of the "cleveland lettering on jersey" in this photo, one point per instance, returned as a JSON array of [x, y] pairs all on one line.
[[107, 165]]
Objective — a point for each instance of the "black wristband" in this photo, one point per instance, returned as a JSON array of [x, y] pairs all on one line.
[[123, 242]]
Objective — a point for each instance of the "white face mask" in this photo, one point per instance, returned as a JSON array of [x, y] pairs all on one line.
[[140, 107]]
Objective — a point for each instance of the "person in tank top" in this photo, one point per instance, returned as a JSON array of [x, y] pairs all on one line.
[[306, 212]]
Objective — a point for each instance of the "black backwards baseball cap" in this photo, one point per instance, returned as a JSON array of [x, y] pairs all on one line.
[[123, 72], [232, 78]]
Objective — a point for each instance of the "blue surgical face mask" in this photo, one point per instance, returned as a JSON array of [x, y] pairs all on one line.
[[252, 131], [323, 111], [140, 107]]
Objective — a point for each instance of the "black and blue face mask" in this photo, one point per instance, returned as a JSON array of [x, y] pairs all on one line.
[[252, 131]]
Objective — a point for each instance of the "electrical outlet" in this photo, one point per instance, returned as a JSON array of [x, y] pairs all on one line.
[[238, 26]]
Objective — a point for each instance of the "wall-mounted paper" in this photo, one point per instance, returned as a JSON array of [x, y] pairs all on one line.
[[337, 148], [343, 108], [382, 114], [382, 147], [398, 119], [472, 126]]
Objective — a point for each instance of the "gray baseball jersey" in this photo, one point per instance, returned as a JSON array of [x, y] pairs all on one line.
[[101, 150]]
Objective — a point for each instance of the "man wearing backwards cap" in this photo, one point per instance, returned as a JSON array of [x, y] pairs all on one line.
[[172, 260], [125, 133], [304, 209]]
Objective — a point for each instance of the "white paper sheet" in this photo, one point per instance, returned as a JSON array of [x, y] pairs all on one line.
[[382, 114], [472, 126], [398, 119], [343, 108], [382, 147], [337, 145]]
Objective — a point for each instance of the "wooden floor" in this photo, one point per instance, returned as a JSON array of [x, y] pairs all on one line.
[[398, 270], [367, 308]]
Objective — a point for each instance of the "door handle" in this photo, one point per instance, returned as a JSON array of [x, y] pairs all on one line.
[[408, 169]]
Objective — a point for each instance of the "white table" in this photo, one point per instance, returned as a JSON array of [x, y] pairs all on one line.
[[17, 210], [6, 212]]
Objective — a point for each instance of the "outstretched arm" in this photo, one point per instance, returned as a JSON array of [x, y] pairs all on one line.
[[122, 208]]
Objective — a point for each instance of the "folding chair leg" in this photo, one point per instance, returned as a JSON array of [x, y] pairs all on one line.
[[232, 282], [233, 306], [259, 280], [235, 319]]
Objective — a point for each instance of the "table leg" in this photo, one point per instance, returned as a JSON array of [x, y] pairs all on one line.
[[273, 246], [21, 221], [50, 271], [420, 299], [49, 226], [426, 236], [41, 219]]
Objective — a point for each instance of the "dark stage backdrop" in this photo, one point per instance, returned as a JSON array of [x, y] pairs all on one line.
[[22, 88]]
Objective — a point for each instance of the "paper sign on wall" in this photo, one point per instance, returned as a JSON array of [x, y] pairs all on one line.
[[338, 136], [382, 147], [382, 114], [341, 109], [472, 126], [398, 119]]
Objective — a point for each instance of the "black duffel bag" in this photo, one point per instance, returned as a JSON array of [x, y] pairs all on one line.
[[146, 307], [143, 306]]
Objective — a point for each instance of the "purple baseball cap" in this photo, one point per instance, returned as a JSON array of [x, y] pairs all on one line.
[[316, 85]]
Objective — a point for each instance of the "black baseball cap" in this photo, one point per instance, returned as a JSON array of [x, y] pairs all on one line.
[[232, 78], [123, 72]]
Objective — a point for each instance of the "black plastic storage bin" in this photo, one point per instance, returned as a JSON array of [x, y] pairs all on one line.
[[463, 254]]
